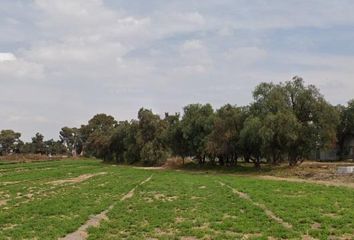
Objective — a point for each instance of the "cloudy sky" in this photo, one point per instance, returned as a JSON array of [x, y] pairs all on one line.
[[62, 61]]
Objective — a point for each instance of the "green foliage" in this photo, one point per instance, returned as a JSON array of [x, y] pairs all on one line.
[[251, 140], [142, 140], [71, 138], [174, 136], [54, 147], [286, 121], [345, 129], [197, 124], [296, 120], [38, 145], [279, 135], [96, 136], [223, 141], [9, 141]]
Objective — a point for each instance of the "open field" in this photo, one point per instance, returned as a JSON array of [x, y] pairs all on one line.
[[51, 200]]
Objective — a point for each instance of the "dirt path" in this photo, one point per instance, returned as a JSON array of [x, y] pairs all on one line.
[[94, 221], [150, 168], [130, 194], [269, 213], [321, 182], [9, 183], [78, 179]]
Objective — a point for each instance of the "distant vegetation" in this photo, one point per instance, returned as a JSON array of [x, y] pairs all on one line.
[[285, 122]]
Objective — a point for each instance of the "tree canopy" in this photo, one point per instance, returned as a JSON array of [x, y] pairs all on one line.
[[285, 122]]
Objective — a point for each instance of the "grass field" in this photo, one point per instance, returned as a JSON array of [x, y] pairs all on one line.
[[49, 200]]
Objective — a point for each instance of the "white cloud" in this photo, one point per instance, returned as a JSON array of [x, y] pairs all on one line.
[[20, 70], [4, 57], [64, 61], [245, 55], [191, 45], [194, 58]]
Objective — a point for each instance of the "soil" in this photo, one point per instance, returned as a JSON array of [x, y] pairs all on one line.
[[78, 179]]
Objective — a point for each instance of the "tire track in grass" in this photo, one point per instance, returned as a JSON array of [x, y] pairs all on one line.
[[268, 212], [94, 221]]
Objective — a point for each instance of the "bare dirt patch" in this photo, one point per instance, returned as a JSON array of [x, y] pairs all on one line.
[[251, 235], [164, 198], [8, 226], [130, 194], [165, 232], [343, 237], [307, 237], [322, 182], [188, 238], [179, 219], [78, 179], [150, 168], [316, 226], [317, 171], [3, 202], [9, 183], [268, 212]]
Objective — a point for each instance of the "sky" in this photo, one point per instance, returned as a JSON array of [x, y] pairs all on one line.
[[63, 61]]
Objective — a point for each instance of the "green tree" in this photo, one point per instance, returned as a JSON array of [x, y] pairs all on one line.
[[54, 147], [345, 129], [9, 140], [38, 145], [96, 136], [118, 146], [71, 138], [224, 138], [175, 139], [251, 141], [197, 124], [279, 133], [313, 120], [132, 148], [150, 137], [317, 118]]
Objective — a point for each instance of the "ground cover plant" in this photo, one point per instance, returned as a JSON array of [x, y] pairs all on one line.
[[51, 200]]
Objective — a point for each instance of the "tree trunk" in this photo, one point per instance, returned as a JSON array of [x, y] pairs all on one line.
[[257, 163], [221, 160]]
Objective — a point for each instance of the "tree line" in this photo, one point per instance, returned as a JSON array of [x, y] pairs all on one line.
[[285, 122]]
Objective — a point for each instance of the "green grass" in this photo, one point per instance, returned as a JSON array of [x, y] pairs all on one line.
[[172, 205]]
